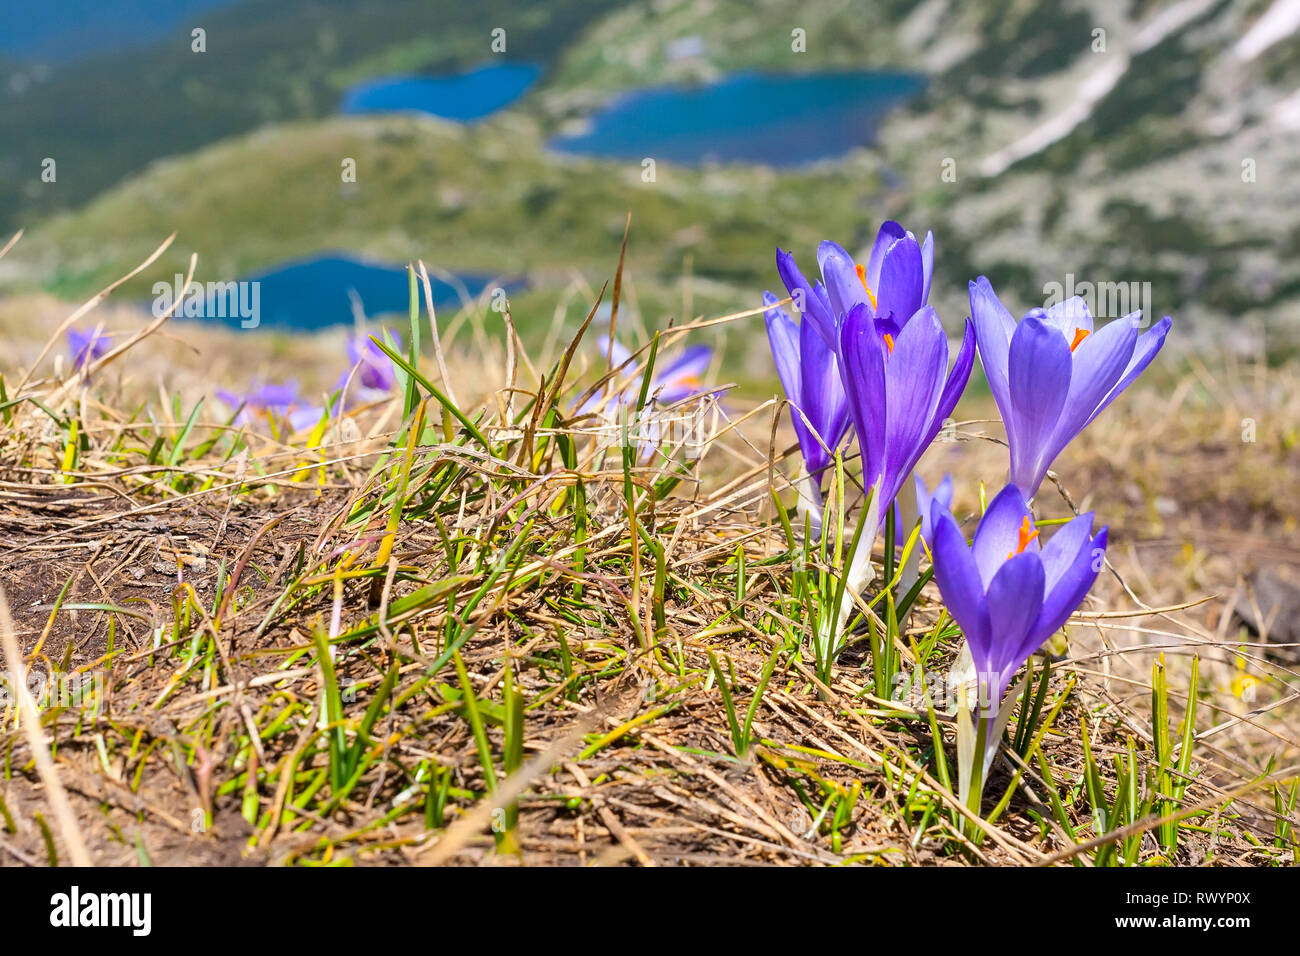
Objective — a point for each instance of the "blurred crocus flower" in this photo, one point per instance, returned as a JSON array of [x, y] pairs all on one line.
[[370, 372], [678, 379], [810, 375], [1052, 373], [683, 376], [86, 347], [281, 402], [899, 390], [893, 283], [1007, 591]]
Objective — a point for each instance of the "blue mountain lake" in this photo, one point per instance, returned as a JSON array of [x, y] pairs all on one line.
[[778, 119], [318, 292], [466, 97]]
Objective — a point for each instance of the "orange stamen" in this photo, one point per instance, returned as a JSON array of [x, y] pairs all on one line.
[[889, 343], [861, 270], [1079, 336], [1027, 533]]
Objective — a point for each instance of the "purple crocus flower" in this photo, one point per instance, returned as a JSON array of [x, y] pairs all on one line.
[[1052, 373], [375, 377], [1008, 593], [894, 283], [265, 398], [273, 400], [810, 375], [683, 376], [374, 368], [679, 379], [86, 347], [899, 390]]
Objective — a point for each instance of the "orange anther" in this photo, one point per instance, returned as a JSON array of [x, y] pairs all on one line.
[[1027, 533]]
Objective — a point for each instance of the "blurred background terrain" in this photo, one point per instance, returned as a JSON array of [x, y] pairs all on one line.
[[504, 143]]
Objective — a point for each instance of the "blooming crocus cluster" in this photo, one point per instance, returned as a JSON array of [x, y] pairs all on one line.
[[1052, 372], [870, 345], [887, 346]]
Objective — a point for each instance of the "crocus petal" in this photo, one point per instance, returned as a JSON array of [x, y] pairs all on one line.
[[998, 533], [902, 281], [888, 233], [994, 326], [783, 337], [822, 394], [843, 287], [85, 346], [1039, 369], [304, 417], [959, 582], [925, 500], [1061, 551], [824, 301], [1148, 344], [683, 376], [1071, 587], [957, 378], [374, 368], [1099, 361], [863, 355], [927, 265], [1014, 599], [887, 326], [1069, 316], [273, 396], [810, 375], [808, 302], [619, 355], [914, 381]]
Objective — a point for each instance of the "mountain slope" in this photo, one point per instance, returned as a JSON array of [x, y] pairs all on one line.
[[265, 61], [483, 199]]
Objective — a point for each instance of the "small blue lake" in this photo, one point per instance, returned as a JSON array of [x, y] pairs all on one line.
[[777, 119], [314, 293], [465, 97]]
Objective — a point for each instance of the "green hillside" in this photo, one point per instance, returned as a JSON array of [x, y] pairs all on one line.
[[266, 61], [483, 199]]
